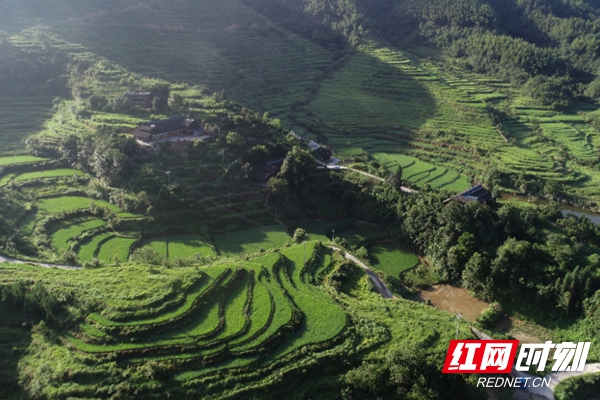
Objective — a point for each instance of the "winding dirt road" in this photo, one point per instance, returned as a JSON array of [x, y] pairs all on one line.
[[377, 282], [4, 259]]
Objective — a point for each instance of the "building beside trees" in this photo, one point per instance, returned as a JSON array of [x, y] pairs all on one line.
[[152, 131]]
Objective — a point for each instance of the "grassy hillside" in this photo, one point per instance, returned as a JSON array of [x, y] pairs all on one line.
[[224, 330], [381, 95]]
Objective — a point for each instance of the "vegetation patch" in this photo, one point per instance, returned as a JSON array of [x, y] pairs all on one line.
[[51, 173], [252, 240], [391, 259], [69, 203], [115, 249]]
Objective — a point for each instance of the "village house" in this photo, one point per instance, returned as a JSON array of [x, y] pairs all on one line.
[[141, 99], [476, 193], [263, 172], [152, 131]]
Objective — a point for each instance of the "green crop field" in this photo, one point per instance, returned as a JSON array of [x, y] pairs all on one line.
[[252, 240], [322, 230], [87, 250], [357, 237], [159, 244], [391, 260], [115, 249], [61, 237], [232, 308], [20, 160], [184, 246], [52, 173], [67, 203]]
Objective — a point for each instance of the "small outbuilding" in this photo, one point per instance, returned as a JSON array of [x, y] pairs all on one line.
[[142, 99], [162, 129], [476, 193]]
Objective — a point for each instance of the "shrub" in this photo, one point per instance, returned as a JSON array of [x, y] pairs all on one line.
[[300, 235], [491, 315]]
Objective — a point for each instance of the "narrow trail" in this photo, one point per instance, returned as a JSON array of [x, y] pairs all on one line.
[[377, 178], [377, 282], [4, 259]]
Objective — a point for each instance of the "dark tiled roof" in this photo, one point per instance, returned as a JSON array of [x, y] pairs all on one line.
[[263, 172], [476, 193]]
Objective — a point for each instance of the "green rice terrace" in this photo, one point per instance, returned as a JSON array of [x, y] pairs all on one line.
[[381, 102], [246, 321], [215, 260]]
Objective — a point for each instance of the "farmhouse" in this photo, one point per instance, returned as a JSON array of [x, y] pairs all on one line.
[[322, 152], [476, 193], [261, 173], [163, 129], [142, 99]]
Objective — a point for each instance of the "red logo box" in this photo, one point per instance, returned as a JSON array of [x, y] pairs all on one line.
[[480, 356]]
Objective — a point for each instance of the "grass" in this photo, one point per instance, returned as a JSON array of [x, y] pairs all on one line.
[[88, 250], [51, 173], [357, 237], [392, 260], [323, 319], [68, 203], [190, 300], [26, 226], [321, 230], [159, 244], [251, 240], [235, 319], [20, 160], [186, 246], [115, 249], [61, 237], [5, 179]]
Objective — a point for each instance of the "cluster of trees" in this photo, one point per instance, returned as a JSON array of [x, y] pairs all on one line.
[[34, 300], [106, 155], [38, 69], [407, 373], [532, 253], [501, 252], [555, 43]]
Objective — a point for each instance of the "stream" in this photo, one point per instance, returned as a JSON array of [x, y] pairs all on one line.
[[565, 209]]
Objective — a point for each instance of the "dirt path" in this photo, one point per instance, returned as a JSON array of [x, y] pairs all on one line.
[[378, 178], [377, 282], [4, 259]]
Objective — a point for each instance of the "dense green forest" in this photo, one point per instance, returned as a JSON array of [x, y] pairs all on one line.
[[180, 276]]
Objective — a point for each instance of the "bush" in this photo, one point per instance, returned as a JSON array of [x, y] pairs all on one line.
[[300, 235], [491, 316]]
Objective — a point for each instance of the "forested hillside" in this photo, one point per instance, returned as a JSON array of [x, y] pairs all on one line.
[[219, 266]]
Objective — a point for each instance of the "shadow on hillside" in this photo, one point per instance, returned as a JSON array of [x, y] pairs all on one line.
[[251, 240], [13, 343]]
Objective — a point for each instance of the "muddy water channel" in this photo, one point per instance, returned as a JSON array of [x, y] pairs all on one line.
[[454, 300], [566, 210]]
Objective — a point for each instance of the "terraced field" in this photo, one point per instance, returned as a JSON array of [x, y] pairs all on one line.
[[115, 249], [234, 315], [322, 230], [22, 116], [391, 260], [69, 203], [51, 173], [18, 160], [420, 173], [252, 240], [180, 246], [60, 239]]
